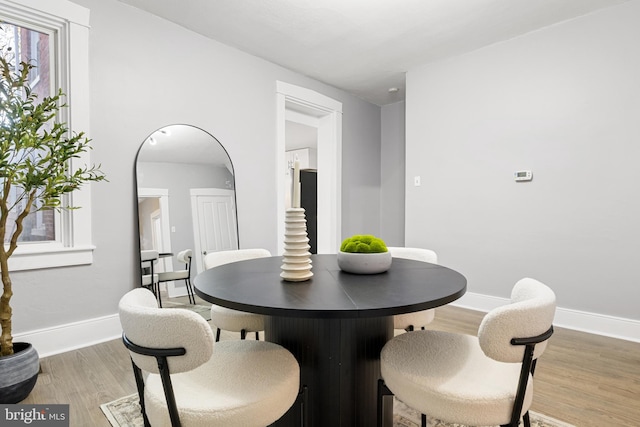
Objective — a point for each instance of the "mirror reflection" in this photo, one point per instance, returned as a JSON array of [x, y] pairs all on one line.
[[186, 198]]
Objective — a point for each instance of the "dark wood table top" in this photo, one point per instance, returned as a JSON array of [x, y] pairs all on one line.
[[256, 286]]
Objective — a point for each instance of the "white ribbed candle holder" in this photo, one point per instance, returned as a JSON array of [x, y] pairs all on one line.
[[296, 266]]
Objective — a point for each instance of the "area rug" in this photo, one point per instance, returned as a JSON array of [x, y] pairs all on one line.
[[125, 412]]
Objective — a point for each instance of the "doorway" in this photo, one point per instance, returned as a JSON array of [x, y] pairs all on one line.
[[153, 217], [313, 109]]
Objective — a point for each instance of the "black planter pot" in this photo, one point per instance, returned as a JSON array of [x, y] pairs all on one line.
[[18, 373]]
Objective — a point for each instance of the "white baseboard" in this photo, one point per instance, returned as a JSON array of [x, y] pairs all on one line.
[[594, 323], [59, 339], [63, 338]]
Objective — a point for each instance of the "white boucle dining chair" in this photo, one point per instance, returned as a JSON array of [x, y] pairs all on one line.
[[475, 381], [228, 319], [148, 258], [182, 274], [419, 319], [183, 378]]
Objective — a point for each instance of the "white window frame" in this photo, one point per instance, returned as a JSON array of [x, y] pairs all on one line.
[[34, 51], [70, 25]]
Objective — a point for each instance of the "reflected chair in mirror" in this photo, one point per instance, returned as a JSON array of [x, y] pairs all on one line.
[[419, 319], [184, 379], [228, 319], [475, 381], [184, 274], [148, 258]]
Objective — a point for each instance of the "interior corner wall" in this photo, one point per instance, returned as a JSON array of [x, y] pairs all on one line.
[[563, 102], [392, 174], [360, 173], [146, 73]]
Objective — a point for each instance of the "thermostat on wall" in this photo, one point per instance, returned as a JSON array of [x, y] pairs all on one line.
[[523, 175]]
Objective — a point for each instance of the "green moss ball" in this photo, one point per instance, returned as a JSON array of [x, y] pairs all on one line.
[[363, 243]]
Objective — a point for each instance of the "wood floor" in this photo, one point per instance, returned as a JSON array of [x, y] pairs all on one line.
[[583, 379]]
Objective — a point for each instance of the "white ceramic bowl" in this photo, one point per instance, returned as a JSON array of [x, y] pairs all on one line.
[[364, 263]]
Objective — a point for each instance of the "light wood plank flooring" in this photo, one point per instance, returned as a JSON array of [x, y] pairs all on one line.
[[583, 379]]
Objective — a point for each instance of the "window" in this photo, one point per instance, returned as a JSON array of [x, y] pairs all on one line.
[[53, 35], [23, 44]]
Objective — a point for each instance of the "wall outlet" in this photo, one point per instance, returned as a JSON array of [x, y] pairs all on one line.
[[416, 181]]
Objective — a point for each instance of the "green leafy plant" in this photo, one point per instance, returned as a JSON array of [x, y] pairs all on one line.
[[363, 243], [35, 172]]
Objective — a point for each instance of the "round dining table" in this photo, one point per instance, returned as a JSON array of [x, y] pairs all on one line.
[[335, 324]]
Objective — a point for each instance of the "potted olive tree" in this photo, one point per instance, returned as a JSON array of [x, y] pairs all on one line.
[[35, 154]]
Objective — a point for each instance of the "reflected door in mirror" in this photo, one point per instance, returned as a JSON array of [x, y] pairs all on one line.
[[214, 222]]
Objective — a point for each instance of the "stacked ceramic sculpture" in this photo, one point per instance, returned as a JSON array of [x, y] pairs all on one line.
[[296, 266]]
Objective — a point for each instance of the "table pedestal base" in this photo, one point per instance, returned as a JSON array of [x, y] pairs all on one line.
[[340, 365]]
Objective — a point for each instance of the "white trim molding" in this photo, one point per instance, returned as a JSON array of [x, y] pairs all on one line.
[[52, 256], [62, 9], [593, 323], [72, 336], [327, 113]]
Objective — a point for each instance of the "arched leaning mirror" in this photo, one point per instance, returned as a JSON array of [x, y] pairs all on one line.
[[186, 198]]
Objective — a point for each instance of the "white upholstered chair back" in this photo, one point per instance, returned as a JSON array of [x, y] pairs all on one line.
[[148, 255], [422, 318], [416, 254], [215, 259], [530, 314], [184, 256], [149, 326]]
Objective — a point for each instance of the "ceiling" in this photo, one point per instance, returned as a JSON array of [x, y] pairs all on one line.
[[364, 46]]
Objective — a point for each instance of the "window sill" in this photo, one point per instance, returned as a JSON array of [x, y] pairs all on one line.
[[51, 257]]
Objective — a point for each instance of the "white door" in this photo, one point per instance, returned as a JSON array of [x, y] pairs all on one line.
[[214, 222]]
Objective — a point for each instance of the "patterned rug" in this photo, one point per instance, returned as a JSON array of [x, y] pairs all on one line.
[[125, 412]]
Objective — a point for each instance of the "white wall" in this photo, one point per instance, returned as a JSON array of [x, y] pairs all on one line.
[[392, 174], [361, 172], [146, 73], [563, 102]]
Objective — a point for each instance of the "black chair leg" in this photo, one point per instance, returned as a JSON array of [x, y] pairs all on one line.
[[243, 334], [257, 336], [165, 376], [158, 296], [217, 334], [423, 420], [137, 373], [190, 293], [525, 419]]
